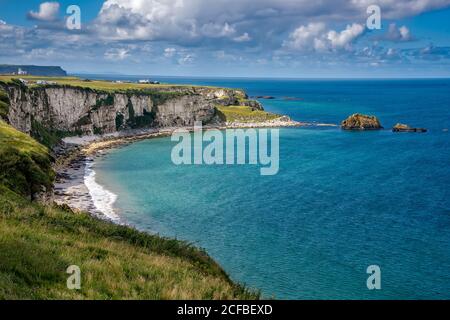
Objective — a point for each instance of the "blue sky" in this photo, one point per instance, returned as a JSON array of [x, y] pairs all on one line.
[[245, 38]]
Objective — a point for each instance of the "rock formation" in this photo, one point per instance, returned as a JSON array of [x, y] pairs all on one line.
[[399, 127], [361, 122], [76, 110], [265, 97]]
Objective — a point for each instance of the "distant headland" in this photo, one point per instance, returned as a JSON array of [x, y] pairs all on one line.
[[49, 71]]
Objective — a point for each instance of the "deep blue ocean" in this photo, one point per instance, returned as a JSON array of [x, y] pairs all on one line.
[[342, 201]]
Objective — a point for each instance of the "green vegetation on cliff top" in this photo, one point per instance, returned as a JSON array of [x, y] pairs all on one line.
[[102, 85], [244, 114], [39, 242]]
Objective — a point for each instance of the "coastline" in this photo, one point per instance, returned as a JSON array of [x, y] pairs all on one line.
[[75, 184]]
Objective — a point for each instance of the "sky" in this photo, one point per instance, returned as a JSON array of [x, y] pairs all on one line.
[[231, 38]]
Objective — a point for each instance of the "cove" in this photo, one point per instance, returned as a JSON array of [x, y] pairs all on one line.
[[341, 201]]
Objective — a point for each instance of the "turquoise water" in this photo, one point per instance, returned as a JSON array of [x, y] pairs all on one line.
[[341, 201]]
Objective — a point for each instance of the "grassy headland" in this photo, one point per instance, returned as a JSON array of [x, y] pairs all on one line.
[[244, 114], [39, 242]]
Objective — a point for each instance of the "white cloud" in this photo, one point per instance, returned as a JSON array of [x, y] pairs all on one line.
[[214, 30], [262, 61], [186, 59], [315, 37], [117, 54], [391, 52], [8, 30], [40, 53], [394, 9], [243, 38], [344, 38], [307, 37], [404, 33], [195, 20], [398, 34], [169, 52], [224, 56], [48, 11], [184, 31]]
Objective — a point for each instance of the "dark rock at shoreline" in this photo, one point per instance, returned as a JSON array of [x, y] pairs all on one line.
[[265, 97], [359, 121], [255, 105], [399, 127]]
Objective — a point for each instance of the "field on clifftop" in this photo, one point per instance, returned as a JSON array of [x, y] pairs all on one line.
[[92, 84]]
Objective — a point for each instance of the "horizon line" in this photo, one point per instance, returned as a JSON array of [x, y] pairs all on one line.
[[256, 77]]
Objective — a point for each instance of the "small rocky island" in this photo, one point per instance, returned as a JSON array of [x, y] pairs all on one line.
[[399, 127], [359, 121]]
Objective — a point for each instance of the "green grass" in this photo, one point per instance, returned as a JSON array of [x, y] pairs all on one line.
[[39, 242], [243, 114], [25, 165], [51, 137], [101, 85], [4, 104]]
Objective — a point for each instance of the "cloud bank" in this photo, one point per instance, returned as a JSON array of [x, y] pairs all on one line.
[[248, 33]]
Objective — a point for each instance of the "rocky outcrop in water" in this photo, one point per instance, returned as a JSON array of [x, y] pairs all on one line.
[[265, 97], [399, 127], [359, 121], [71, 110]]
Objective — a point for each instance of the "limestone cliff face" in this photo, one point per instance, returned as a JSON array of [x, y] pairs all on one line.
[[86, 111]]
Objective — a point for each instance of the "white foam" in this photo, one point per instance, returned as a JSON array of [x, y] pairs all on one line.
[[103, 199]]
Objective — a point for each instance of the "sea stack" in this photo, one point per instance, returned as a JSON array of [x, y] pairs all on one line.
[[359, 121], [399, 127]]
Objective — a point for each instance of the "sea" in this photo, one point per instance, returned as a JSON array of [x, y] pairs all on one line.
[[341, 202]]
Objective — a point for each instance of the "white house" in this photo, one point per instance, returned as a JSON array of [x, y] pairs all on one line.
[[21, 72]]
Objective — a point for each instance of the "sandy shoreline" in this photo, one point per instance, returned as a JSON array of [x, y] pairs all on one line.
[[76, 153], [73, 158]]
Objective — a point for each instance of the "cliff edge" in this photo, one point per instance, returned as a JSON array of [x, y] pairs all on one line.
[[75, 107]]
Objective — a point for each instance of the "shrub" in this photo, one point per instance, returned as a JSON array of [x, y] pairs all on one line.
[[50, 137], [4, 104], [108, 101], [119, 121]]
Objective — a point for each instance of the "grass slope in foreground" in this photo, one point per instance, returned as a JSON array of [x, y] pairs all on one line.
[[38, 242]]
